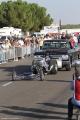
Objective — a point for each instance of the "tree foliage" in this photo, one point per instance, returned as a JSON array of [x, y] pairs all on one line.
[[27, 16]]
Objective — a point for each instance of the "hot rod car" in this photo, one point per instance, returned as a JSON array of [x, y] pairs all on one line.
[[48, 64]]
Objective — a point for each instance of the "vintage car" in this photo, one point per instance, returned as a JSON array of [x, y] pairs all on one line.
[[61, 49], [44, 60]]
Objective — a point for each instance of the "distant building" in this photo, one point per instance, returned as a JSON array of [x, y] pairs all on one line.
[[53, 28], [70, 31], [10, 31]]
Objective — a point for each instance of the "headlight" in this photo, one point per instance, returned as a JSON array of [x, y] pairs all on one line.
[[65, 57]]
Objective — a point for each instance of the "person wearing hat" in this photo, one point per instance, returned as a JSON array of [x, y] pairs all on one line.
[[75, 86]]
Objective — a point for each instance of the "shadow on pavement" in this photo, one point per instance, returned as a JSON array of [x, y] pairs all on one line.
[[19, 69], [58, 80], [55, 105], [32, 112], [6, 72]]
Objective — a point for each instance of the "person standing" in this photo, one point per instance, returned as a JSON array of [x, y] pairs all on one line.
[[75, 86]]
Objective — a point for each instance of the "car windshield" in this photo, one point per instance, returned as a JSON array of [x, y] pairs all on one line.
[[55, 45]]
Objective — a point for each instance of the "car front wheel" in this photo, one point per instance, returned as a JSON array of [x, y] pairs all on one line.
[[68, 67]]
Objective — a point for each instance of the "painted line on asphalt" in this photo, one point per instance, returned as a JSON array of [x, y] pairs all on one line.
[[10, 118], [6, 84]]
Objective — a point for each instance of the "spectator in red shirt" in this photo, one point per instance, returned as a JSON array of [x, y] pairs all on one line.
[[75, 86], [72, 42]]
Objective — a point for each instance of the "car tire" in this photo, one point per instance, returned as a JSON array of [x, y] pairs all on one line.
[[55, 67], [41, 74], [68, 67], [13, 75], [34, 71]]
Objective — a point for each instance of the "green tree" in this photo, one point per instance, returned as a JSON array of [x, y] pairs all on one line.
[[23, 15]]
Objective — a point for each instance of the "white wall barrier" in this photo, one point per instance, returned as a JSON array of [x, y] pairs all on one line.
[[9, 54], [2, 56], [16, 52]]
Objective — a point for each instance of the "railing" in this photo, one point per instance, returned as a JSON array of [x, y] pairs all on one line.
[[17, 52]]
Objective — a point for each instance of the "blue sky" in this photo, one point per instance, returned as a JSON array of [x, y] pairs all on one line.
[[66, 10]]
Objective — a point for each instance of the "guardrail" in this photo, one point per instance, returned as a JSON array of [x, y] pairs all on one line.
[[17, 52]]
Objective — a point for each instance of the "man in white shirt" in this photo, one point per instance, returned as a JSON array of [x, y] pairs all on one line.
[[21, 42]]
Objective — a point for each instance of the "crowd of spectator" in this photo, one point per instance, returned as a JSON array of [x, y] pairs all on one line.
[[28, 41], [73, 39], [31, 43]]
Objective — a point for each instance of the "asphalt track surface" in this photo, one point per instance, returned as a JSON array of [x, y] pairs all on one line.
[[33, 99]]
